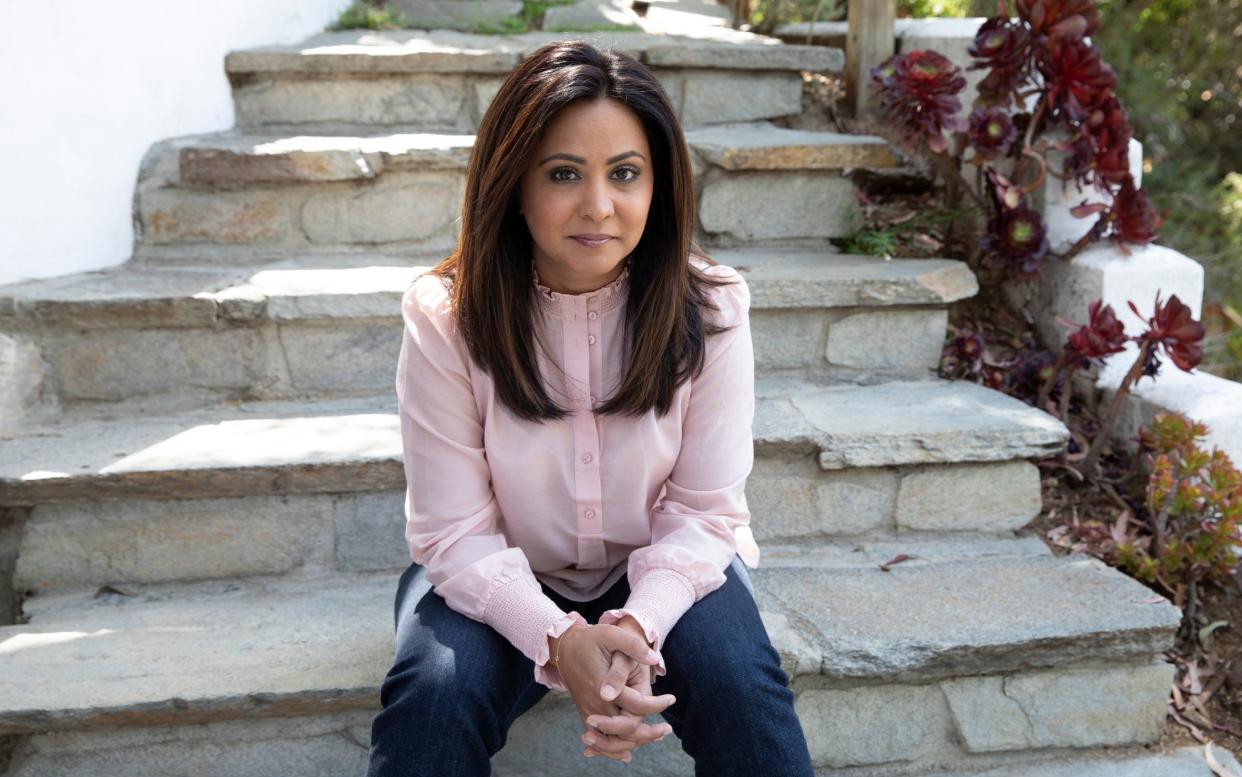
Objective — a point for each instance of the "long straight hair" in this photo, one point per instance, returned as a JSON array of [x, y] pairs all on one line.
[[488, 274]]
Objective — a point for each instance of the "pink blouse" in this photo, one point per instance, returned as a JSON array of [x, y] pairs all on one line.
[[495, 504]]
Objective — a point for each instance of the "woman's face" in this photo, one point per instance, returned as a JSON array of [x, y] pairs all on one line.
[[591, 175]]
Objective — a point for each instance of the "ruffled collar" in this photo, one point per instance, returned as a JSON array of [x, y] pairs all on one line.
[[603, 299]]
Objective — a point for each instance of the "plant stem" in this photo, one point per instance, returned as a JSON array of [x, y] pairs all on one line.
[[1097, 445]]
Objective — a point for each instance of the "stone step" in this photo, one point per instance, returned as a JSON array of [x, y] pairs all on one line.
[[954, 660], [307, 488], [247, 197], [444, 80], [1177, 762], [192, 335]]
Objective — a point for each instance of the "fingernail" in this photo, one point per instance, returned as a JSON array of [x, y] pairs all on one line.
[[589, 740], [609, 692], [652, 655]]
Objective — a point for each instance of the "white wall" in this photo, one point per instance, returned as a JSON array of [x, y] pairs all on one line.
[[86, 87]]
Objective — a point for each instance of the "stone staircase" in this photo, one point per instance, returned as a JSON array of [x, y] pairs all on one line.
[[201, 485]]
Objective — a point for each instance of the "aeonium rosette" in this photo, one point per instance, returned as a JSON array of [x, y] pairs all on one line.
[[919, 91]]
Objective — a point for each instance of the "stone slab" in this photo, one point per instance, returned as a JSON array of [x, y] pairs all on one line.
[[773, 56], [1180, 762], [784, 278], [925, 619], [354, 444], [235, 159], [224, 450], [765, 146], [158, 656], [901, 422], [335, 287], [448, 51]]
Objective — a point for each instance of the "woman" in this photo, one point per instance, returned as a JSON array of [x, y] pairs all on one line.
[[576, 392]]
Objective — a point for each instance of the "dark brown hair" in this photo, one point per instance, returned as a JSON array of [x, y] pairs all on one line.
[[489, 271]]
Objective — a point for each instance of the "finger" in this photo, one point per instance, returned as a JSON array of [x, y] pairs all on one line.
[[631, 728], [636, 702], [632, 645], [608, 745], [618, 672], [591, 752]]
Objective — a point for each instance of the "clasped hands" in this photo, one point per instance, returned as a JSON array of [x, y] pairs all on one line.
[[598, 656]]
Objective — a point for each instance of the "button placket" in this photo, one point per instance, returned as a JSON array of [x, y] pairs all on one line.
[[581, 363]]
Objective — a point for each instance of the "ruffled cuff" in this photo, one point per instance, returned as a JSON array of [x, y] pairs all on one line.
[[546, 671], [657, 602], [522, 613]]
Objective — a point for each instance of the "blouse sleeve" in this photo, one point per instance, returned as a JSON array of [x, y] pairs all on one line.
[[703, 519], [453, 520]]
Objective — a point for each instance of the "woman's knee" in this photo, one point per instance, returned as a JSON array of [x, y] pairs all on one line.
[[446, 661]]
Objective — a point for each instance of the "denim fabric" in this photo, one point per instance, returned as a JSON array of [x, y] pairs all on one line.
[[456, 686]]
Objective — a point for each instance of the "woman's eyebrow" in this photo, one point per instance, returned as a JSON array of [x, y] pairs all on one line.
[[581, 161]]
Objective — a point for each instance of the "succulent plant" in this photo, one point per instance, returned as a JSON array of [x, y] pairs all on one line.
[[1004, 48], [1076, 80], [1101, 336], [990, 132], [919, 91], [1017, 238], [1133, 217], [1173, 327]]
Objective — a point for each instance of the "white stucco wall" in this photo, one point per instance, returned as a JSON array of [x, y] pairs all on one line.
[[88, 87]]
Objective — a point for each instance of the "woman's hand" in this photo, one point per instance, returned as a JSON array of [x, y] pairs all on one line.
[[586, 654]]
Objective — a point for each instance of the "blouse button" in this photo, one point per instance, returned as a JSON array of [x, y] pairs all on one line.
[[589, 513], [592, 315], [591, 339], [586, 458]]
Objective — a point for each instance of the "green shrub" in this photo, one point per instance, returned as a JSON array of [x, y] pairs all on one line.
[[368, 15], [1194, 504]]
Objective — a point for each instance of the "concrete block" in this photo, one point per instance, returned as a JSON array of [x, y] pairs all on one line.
[[1118, 705], [790, 499], [772, 205], [370, 532], [888, 339], [178, 216], [413, 101], [996, 497], [711, 96], [840, 725], [405, 208], [79, 545]]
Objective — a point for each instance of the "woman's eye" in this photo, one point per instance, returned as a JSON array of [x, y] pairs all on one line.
[[556, 174], [629, 169]]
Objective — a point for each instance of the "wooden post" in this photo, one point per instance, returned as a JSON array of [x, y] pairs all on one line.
[[869, 41]]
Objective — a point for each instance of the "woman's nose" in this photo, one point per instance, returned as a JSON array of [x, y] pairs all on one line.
[[597, 203]]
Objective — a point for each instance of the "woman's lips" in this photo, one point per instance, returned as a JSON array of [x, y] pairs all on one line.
[[591, 243]]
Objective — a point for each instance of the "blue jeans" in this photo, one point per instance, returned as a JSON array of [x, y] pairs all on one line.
[[456, 686]]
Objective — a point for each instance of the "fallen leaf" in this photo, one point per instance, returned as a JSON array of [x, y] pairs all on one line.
[[1213, 764], [900, 557], [113, 589]]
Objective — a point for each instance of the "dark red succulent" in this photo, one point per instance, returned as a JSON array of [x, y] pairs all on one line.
[[1003, 48], [1102, 335], [1133, 216], [1173, 328], [1059, 19], [1076, 80], [968, 348], [991, 132], [1017, 238], [919, 91]]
